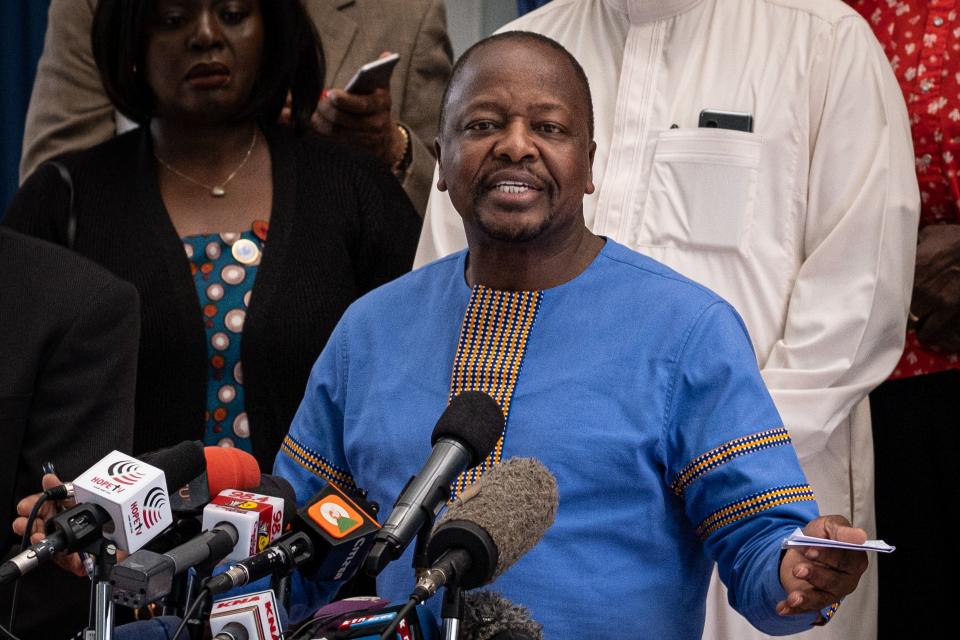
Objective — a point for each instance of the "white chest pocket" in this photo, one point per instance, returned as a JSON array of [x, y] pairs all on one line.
[[703, 187]]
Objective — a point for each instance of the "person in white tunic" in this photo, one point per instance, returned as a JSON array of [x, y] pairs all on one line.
[[807, 223]]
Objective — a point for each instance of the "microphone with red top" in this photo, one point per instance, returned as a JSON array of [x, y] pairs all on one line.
[[224, 468]]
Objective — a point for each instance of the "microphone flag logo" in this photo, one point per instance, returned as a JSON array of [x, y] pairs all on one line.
[[152, 507], [126, 472], [335, 516]]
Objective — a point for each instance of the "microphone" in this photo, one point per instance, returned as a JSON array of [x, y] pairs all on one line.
[[254, 613], [490, 616], [180, 463], [465, 434], [225, 468], [232, 631], [121, 498], [365, 618], [197, 473], [490, 526], [329, 539], [236, 523]]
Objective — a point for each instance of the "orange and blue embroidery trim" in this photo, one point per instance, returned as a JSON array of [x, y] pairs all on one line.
[[727, 452], [493, 340], [752, 506], [317, 464], [832, 610]]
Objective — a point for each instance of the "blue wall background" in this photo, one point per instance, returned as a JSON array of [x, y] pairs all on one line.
[[22, 23], [525, 6]]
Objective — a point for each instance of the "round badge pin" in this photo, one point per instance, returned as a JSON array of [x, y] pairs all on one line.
[[245, 251]]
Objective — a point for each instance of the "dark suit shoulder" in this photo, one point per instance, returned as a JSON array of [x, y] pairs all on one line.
[[47, 274]]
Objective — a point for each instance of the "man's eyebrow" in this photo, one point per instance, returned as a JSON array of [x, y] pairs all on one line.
[[499, 105]]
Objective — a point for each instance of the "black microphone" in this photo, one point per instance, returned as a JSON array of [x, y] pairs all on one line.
[[281, 557], [121, 498], [74, 530], [466, 433], [490, 526], [490, 616]]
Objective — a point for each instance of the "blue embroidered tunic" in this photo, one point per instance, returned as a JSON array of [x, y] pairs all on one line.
[[637, 388]]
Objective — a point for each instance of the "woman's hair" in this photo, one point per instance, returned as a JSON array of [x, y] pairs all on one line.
[[292, 61]]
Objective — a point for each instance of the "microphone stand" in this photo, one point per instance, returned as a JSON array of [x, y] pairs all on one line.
[[452, 611], [101, 608], [420, 560]]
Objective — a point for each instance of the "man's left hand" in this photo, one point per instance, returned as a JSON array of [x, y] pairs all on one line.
[[815, 577], [363, 121]]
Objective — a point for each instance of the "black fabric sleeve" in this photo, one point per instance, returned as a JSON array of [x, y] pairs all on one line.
[[41, 207], [389, 226]]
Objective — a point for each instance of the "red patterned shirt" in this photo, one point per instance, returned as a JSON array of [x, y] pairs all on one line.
[[922, 41]]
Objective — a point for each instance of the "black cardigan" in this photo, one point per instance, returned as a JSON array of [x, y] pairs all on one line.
[[340, 226]]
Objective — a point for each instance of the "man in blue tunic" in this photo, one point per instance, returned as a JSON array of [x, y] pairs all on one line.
[[636, 387]]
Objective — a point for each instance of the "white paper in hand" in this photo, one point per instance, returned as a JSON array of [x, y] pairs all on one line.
[[798, 539]]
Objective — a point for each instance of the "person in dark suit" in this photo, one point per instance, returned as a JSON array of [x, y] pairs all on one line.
[[68, 362]]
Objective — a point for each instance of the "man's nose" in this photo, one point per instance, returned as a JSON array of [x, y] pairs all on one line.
[[208, 33], [516, 143]]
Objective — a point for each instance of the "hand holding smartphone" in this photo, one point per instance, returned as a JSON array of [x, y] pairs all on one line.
[[373, 75]]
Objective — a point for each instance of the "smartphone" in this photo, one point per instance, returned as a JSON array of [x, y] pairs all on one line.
[[373, 75], [735, 120]]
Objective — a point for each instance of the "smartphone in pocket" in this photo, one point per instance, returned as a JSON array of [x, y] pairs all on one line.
[[373, 75], [734, 120]]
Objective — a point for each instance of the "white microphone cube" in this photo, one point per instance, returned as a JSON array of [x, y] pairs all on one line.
[[258, 519], [256, 612], [134, 493]]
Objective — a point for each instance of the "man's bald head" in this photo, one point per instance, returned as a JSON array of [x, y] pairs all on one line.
[[521, 37]]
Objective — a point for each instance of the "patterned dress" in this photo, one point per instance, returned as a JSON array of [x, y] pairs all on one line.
[[224, 266], [922, 40]]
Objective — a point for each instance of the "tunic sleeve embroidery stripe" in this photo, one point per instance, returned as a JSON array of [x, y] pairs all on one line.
[[828, 614], [317, 464], [727, 452], [493, 340], [752, 506]]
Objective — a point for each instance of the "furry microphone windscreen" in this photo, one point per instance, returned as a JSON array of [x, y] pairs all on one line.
[[515, 502], [490, 616]]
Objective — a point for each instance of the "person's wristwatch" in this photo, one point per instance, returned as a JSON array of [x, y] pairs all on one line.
[[400, 167]]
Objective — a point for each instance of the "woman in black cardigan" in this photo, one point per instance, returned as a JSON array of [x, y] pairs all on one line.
[[206, 168]]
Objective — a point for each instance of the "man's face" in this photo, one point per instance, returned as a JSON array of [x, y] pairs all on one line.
[[515, 153]]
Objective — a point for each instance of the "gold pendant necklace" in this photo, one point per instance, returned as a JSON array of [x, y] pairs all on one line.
[[216, 190]]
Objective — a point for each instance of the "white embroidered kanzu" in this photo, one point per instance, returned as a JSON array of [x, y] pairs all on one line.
[[807, 224]]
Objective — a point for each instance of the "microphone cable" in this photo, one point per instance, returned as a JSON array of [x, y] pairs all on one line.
[[7, 634], [401, 614], [200, 599], [59, 492]]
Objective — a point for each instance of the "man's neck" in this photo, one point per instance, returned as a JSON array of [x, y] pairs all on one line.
[[531, 266]]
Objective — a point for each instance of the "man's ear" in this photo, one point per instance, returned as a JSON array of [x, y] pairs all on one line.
[[441, 183], [591, 152]]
